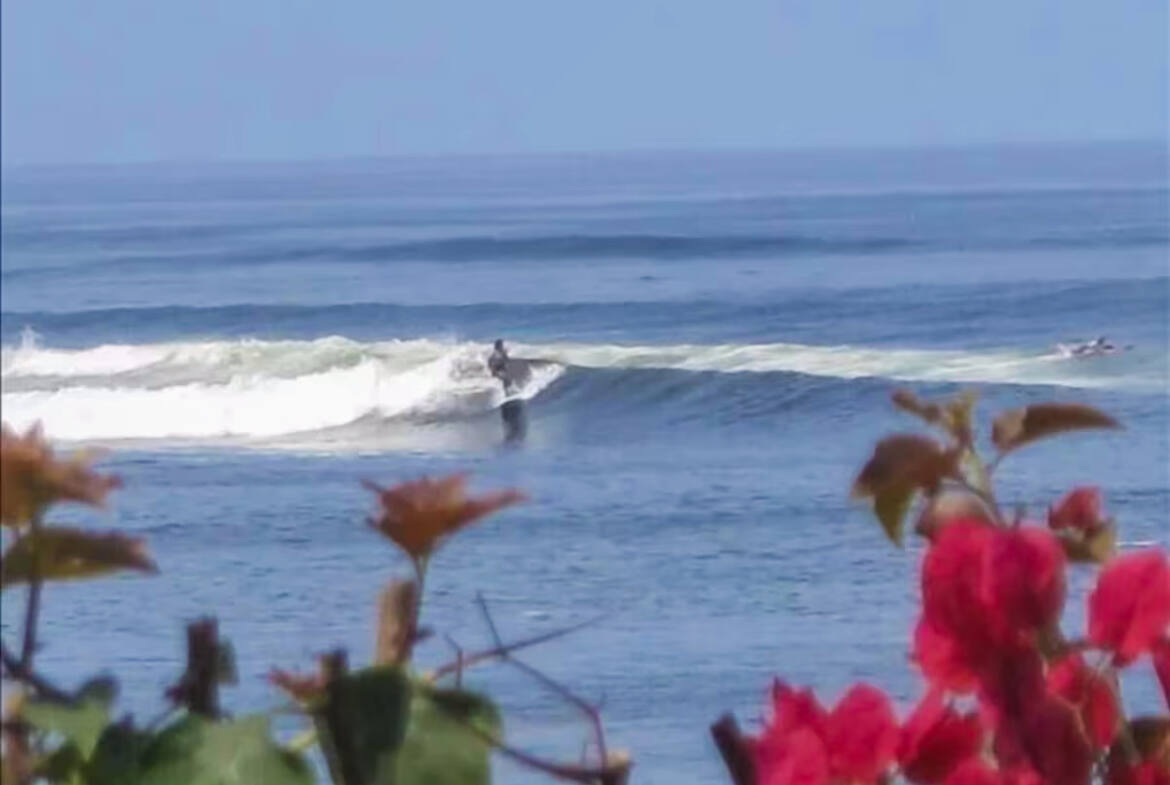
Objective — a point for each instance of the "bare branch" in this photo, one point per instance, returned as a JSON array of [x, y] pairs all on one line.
[[731, 746], [22, 673], [500, 652], [586, 708], [32, 610]]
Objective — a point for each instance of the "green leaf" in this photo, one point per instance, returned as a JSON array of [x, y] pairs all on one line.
[[362, 724], [196, 751], [81, 725], [64, 554], [890, 505], [118, 757], [442, 746], [378, 727]]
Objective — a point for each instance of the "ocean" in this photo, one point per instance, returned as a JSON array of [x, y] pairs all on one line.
[[725, 330]]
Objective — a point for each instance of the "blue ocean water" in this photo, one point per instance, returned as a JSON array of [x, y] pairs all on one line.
[[725, 331]]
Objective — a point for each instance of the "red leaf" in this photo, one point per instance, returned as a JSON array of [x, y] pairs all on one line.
[[801, 761], [793, 709], [1146, 773], [940, 660], [791, 749], [1088, 691], [935, 739], [862, 735], [1129, 610], [1010, 687], [953, 592], [1161, 656], [1024, 578], [1057, 746], [974, 771], [1080, 509]]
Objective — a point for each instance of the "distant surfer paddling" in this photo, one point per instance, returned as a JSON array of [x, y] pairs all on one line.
[[507, 370], [1100, 346]]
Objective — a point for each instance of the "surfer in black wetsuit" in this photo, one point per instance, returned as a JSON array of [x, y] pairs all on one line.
[[511, 411], [498, 364]]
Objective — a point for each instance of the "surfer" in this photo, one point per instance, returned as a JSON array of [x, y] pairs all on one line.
[[498, 365], [1094, 348], [512, 410]]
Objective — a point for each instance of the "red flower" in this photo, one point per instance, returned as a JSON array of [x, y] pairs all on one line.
[[1057, 746], [1145, 773], [1010, 688], [791, 750], [1161, 656], [803, 762], [941, 660], [794, 748], [862, 735], [1129, 610], [974, 771], [1024, 577], [935, 739], [1080, 509], [983, 590], [1092, 696], [952, 589]]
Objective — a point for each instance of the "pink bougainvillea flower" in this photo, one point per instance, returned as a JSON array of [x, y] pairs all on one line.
[[935, 739], [861, 735], [1010, 687], [985, 590], [1161, 655], [1090, 693], [1057, 746], [974, 771], [1080, 509], [793, 708], [1145, 773], [801, 761], [802, 744], [953, 601], [1023, 580], [1129, 610], [941, 660], [791, 749]]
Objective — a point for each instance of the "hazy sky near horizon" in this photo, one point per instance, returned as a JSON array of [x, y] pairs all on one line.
[[143, 80]]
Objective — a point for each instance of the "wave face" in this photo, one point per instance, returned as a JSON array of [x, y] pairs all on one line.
[[264, 390]]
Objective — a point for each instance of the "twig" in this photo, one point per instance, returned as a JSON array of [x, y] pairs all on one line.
[[610, 773], [586, 708], [731, 746], [458, 660], [32, 610], [20, 672], [501, 652]]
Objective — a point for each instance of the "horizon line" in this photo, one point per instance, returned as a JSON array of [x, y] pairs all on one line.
[[840, 148]]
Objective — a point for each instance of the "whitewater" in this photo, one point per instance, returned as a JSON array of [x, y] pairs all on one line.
[[258, 388]]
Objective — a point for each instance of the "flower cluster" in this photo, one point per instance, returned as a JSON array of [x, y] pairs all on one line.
[[1009, 699]]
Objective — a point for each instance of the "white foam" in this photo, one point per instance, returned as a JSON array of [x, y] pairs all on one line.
[[263, 389], [846, 362], [261, 400]]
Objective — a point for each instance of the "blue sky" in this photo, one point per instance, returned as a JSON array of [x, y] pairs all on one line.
[[147, 80]]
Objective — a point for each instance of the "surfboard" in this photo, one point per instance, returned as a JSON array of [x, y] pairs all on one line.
[[515, 419]]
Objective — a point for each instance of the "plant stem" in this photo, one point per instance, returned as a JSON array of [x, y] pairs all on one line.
[[420, 571], [33, 609]]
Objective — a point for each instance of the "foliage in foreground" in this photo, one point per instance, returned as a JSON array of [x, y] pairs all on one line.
[[1009, 700]]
